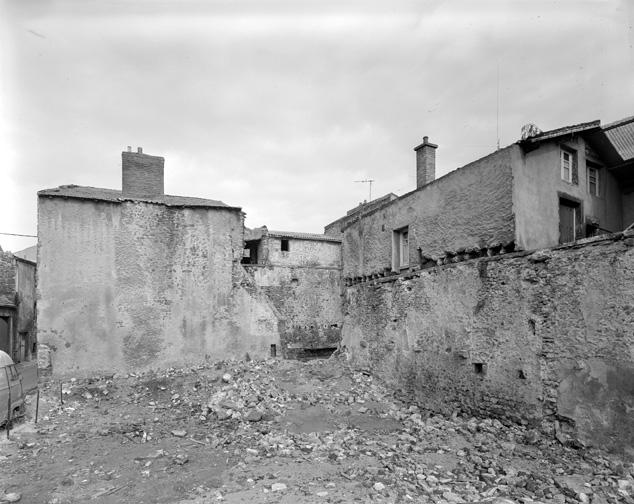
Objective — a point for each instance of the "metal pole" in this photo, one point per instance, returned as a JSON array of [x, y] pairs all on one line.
[[6, 371], [61, 398], [37, 404]]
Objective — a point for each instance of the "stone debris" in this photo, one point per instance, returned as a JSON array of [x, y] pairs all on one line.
[[335, 432]]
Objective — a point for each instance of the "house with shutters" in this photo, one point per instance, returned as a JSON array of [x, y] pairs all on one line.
[[547, 188]]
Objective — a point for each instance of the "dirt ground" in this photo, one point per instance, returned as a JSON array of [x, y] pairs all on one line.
[[281, 431]]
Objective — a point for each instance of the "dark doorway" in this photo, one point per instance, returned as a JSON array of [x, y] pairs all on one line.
[[5, 334], [568, 216]]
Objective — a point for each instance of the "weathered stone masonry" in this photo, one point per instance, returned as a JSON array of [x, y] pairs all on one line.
[[544, 337]]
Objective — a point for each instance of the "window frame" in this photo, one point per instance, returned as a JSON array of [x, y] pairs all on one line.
[[400, 249], [591, 167], [562, 153]]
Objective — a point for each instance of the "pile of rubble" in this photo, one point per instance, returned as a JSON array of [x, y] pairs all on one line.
[[313, 432]]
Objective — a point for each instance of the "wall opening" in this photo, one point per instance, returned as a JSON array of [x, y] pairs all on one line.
[[284, 245], [479, 368], [316, 353], [274, 350]]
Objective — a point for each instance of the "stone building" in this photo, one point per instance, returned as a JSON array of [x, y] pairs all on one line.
[[548, 188], [17, 307], [446, 299], [299, 274], [18, 334], [137, 278]]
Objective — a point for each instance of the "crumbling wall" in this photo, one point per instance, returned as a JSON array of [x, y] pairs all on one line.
[[468, 208], [7, 278], [135, 285], [546, 338], [307, 304]]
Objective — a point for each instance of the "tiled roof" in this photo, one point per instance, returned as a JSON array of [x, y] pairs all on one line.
[[304, 236], [621, 136], [566, 130], [115, 196]]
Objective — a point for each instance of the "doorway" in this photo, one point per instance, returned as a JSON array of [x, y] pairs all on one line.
[[5, 334], [568, 220]]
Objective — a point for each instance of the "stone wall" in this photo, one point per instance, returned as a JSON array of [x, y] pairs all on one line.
[[307, 253], [546, 338], [26, 309], [7, 278], [306, 303], [468, 208], [133, 285]]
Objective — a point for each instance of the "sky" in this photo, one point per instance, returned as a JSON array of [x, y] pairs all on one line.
[[278, 107]]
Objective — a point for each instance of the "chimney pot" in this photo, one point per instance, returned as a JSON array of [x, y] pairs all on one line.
[[425, 162], [139, 150], [129, 148]]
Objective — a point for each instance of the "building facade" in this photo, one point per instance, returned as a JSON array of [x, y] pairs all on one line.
[[547, 189], [134, 279], [299, 275]]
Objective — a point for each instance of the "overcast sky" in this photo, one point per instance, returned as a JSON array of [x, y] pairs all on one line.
[[279, 106]]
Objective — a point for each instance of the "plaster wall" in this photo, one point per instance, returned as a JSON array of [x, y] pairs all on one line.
[[628, 209], [307, 253], [538, 186], [470, 207], [135, 285], [533, 337]]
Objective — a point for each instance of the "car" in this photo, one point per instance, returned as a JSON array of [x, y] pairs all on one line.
[[11, 392]]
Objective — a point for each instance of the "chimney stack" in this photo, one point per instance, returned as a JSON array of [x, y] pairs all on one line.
[[425, 163], [142, 175]]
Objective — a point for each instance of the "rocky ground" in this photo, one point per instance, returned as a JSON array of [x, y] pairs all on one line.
[[282, 431]]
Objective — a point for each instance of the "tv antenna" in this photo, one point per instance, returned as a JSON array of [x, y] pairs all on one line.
[[367, 181]]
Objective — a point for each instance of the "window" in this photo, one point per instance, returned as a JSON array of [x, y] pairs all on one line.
[[400, 249], [593, 180], [569, 166], [284, 246]]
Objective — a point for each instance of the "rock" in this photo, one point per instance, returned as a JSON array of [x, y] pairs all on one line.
[[502, 500], [322, 494], [277, 487], [253, 416], [378, 486], [222, 414], [11, 497], [179, 433], [226, 378]]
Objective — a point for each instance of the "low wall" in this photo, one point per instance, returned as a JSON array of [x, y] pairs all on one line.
[[545, 338]]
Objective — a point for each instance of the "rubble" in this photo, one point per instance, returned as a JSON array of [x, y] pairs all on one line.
[[187, 434]]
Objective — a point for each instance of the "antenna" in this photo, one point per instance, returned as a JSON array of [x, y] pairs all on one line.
[[498, 107], [367, 181]]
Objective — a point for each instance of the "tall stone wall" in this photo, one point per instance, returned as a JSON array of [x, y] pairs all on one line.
[[545, 338], [306, 303], [469, 208], [134, 285]]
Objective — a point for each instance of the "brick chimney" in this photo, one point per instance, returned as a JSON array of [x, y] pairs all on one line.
[[425, 163], [142, 175]]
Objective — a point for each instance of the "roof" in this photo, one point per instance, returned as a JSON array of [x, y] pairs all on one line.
[[304, 236], [565, 130], [28, 254], [621, 136], [116, 196]]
